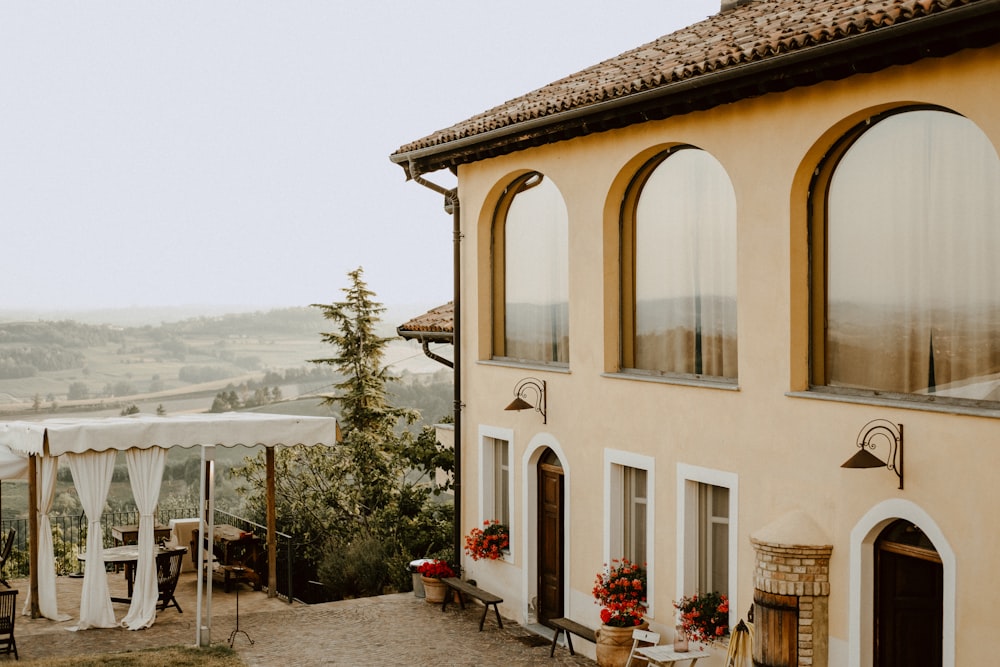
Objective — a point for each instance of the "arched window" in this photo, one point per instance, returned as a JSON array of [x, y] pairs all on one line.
[[679, 268], [530, 273], [906, 282]]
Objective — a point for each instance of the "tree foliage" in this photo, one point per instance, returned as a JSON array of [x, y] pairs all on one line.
[[378, 485]]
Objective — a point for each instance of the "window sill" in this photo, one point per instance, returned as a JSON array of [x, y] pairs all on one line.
[[511, 363], [923, 404], [684, 381]]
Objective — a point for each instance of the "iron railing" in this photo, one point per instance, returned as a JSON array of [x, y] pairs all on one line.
[[69, 537]]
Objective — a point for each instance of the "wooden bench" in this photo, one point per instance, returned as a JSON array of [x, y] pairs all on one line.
[[465, 588], [568, 627]]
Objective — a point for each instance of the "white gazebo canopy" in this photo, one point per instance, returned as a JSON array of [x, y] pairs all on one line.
[[92, 444], [78, 436]]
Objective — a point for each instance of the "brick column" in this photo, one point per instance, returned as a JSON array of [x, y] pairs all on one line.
[[791, 594]]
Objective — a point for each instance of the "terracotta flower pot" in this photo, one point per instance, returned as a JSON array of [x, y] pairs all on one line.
[[614, 644], [434, 589]]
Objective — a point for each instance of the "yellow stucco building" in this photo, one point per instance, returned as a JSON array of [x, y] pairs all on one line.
[[718, 266]]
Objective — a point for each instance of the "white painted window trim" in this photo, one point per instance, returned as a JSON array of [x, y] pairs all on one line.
[[486, 477], [612, 499], [687, 507]]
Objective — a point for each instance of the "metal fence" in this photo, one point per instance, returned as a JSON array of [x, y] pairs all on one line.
[[69, 537]]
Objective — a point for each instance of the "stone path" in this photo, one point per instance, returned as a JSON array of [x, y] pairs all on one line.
[[388, 630]]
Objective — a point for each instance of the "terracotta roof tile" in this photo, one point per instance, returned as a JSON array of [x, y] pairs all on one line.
[[440, 320], [751, 32]]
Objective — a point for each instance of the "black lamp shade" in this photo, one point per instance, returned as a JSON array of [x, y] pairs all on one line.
[[519, 404], [863, 459]]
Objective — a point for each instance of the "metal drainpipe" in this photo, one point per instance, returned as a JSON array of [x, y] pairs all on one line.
[[425, 345], [451, 202]]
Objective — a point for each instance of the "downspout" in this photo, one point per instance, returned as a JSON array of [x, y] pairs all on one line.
[[451, 204], [425, 345]]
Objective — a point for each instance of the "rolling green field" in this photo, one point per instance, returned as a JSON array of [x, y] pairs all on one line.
[[180, 367], [59, 368]]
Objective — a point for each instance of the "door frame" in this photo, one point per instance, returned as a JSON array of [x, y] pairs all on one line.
[[529, 518], [861, 620]]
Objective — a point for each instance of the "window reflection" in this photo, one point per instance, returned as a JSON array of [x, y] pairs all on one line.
[[913, 282], [683, 271], [535, 280]]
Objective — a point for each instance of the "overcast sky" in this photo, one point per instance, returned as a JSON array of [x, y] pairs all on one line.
[[235, 152]]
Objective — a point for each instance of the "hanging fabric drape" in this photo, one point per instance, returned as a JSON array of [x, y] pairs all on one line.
[[92, 475], [47, 605], [92, 445], [12, 466], [145, 472]]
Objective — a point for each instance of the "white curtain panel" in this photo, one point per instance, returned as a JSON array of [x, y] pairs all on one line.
[[46, 471], [92, 473], [145, 472]]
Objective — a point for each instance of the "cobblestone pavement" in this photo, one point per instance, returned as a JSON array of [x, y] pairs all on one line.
[[388, 630]]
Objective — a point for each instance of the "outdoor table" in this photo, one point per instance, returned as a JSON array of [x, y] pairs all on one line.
[[128, 555], [666, 655], [129, 534]]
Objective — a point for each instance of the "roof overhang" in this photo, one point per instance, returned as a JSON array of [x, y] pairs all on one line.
[[936, 35], [428, 336]]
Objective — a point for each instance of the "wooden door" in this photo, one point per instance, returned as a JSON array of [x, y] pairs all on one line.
[[776, 630], [909, 602], [550, 542]]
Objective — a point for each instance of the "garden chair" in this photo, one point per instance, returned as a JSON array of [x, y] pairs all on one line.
[[8, 544], [8, 610], [645, 637], [168, 571]]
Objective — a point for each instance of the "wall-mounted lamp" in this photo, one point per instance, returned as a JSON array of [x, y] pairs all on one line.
[[529, 385], [885, 430]]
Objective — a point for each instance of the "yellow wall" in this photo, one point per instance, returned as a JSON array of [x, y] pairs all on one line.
[[785, 449]]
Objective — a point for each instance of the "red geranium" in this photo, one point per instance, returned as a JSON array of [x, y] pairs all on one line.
[[704, 618], [489, 542], [437, 569], [621, 592]]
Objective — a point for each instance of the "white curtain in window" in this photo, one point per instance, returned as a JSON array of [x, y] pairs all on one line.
[[92, 474], [536, 275], [685, 268], [913, 281], [145, 471]]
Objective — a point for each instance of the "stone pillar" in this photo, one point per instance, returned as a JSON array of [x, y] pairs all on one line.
[[791, 593]]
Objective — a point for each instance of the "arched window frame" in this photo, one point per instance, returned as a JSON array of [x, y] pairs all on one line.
[[628, 279], [498, 255], [818, 240]]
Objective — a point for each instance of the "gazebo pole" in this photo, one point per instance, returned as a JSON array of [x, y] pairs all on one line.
[[36, 612], [272, 522]]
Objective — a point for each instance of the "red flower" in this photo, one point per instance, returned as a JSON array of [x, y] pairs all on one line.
[[437, 569], [620, 590], [489, 542], [704, 618]]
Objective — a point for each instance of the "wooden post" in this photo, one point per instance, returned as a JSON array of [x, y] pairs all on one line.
[[36, 612], [272, 542]]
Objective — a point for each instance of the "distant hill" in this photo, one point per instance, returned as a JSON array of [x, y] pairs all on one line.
[[65, 366]]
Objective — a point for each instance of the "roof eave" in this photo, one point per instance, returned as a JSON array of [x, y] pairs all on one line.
[[429, 336], [936, 35]]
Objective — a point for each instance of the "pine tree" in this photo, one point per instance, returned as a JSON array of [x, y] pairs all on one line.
[[337, 499]]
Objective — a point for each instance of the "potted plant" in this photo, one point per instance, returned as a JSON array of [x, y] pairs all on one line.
[[620, 589], [703, 618], [487, 542], [431, 574]]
